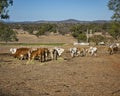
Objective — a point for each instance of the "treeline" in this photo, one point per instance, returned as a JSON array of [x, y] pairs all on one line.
[[43, 28], [62, 28], [77, 30]]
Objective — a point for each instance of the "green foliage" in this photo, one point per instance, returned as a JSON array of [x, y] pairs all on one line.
[[6, 34], [115, 30], [77, 28], [63, 28], [75, 34], [97, 39], [30, 31], [78, 31], [114, 5], [4, 4], [45, 28], [81, 37]]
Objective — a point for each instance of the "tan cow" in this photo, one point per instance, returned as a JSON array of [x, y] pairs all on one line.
[[113, 48], [77, 51], [92, 51]]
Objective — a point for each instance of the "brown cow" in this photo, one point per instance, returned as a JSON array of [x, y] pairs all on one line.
[[40, 53], [22, 53]]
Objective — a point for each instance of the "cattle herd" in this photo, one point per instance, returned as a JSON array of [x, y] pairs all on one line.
[[45, 54], [41, 54]]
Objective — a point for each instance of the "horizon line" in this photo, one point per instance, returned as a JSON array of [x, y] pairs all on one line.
[[45, 20]]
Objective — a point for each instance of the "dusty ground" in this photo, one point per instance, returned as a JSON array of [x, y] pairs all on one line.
[[79, 76]]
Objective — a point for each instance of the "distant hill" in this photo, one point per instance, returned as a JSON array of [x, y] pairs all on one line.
[[62, 21]]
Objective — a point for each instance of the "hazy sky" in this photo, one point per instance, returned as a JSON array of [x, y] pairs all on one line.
[[33, 10]]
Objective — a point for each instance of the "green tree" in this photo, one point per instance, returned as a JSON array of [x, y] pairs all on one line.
[[82, 37], [114, 5], [4, 4], [6, 34], [115, 30], [76, 28], [78, 31], [46, 28]]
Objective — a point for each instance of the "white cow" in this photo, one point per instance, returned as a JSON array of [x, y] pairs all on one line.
[[59, 50], [73, 51], [77, 52], [56, 52], [92, 51]]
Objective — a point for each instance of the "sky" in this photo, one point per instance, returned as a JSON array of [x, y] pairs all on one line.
[[56, 10]]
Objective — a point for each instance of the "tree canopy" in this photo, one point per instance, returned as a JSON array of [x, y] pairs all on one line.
[[4, 4], [114, 5], [115, 30], [7, 34]]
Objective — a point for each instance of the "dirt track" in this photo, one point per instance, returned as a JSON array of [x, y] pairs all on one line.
[[80, 76]]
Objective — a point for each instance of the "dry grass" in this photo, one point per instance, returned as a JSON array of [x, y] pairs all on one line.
[[80, 76]]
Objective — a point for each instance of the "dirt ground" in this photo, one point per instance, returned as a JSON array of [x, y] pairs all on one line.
[[79, 76]]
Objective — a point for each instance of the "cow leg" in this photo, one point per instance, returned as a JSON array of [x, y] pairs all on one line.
[[112, 50], [72, 55], [51, 54], [40, 58], [45, 56], [56, 56]]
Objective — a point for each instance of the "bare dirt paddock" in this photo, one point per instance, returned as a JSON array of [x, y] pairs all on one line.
[[80, 76]]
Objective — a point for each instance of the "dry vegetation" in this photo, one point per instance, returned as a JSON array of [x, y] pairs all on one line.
[[52, 38], [80, 76]]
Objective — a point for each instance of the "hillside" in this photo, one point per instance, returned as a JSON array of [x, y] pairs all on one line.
[[27, 38]]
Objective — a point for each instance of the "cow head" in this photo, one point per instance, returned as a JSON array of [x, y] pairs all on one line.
[[13, 50]]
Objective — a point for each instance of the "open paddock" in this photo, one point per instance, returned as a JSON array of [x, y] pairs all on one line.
[[67, 76]]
